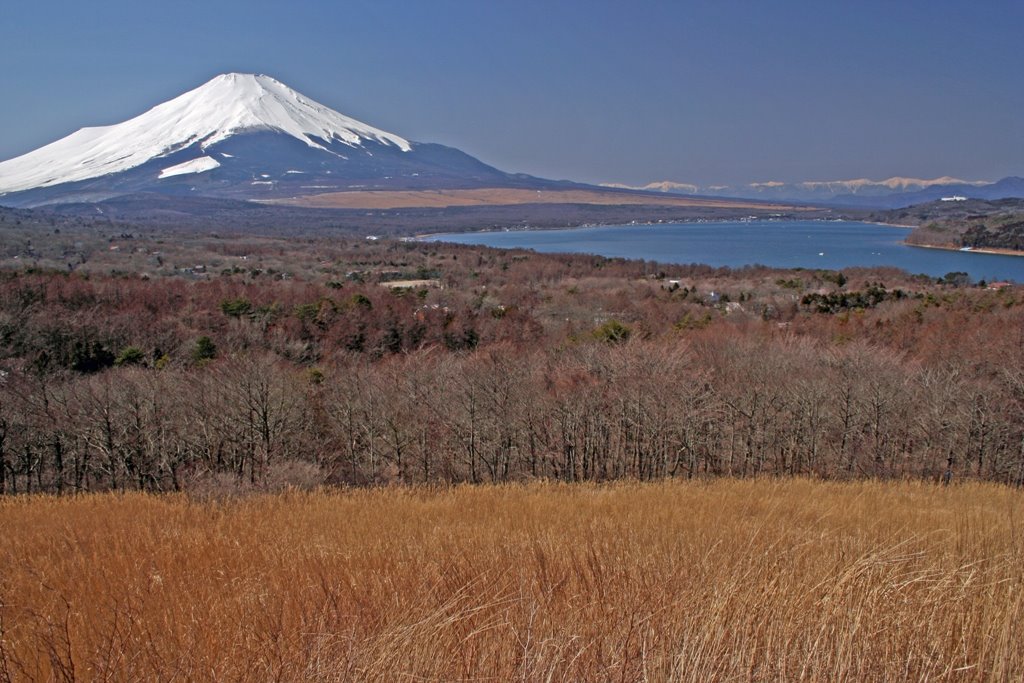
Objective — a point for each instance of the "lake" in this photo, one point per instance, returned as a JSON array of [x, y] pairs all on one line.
[[781, 244]]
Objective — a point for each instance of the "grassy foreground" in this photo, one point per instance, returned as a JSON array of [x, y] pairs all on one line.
[[731, 580]]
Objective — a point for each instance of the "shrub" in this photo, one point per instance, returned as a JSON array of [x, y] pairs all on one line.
[[90, 357], [360, 301], [236, 308], [613, 332], [130, 355], [204, 350]]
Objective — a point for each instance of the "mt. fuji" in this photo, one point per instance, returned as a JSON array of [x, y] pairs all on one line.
[[239, 136]]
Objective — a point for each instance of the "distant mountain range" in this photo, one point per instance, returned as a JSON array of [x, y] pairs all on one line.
[[240, 136], [892, 193]]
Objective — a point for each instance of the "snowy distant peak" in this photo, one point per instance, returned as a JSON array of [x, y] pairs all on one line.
[[896, 184], [661, 186], [810, 189], [224, 106]]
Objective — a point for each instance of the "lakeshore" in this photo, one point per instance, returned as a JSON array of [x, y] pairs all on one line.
[[777, 243], [970, 250]]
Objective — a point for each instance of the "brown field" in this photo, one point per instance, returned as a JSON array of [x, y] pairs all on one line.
[[399, 199], [730, 580]]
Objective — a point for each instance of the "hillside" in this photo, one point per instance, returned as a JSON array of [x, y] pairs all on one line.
[[996, 225]]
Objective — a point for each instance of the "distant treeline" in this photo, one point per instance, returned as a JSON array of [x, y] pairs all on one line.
[[203, 215]]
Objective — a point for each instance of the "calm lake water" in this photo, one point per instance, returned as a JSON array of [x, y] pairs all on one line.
[[781, 244]]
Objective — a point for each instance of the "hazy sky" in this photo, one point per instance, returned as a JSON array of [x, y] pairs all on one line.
[[706, 92]]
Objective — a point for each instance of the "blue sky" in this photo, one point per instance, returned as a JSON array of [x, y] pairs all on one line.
[[705, 92]]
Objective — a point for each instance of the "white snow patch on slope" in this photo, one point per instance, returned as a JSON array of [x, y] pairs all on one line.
[[226, 105], [199, 165]]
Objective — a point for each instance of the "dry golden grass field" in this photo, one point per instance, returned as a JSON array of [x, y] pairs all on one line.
[[396, 199], [730, 580]]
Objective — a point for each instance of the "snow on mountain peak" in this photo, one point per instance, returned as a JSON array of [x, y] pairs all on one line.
[[223, 106], [238, 102]]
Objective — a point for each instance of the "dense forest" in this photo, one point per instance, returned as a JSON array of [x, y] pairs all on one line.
[[155, 361]]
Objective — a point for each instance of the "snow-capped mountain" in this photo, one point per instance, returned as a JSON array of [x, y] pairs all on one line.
[[242, 136]]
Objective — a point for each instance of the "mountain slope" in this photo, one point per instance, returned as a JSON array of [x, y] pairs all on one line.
[[242, 136]]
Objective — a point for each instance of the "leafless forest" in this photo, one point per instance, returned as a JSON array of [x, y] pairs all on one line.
[[167, 361]]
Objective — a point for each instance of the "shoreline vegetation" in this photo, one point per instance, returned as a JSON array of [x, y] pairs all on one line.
[[426, 236], [978, 226], [972, 250], [766, 579]]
